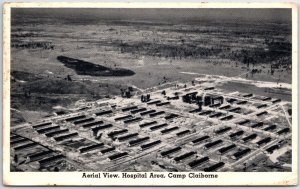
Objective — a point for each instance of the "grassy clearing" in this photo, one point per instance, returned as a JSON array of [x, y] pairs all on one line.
[[249, 88]]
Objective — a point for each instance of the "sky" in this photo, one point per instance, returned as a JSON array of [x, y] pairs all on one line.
[[161, 15]]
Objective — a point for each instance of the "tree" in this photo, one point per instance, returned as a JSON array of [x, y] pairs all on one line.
[[69, 78], [16, 158]]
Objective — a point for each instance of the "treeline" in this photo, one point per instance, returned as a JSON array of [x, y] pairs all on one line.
[[168, 50], [17, 35], [275, 51], [242, 32], [32, 45]]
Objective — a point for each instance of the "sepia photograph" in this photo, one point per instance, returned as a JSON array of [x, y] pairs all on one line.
[[137, 93]]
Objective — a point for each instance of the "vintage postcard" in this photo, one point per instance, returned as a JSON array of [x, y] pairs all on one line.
[[160, 94]]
